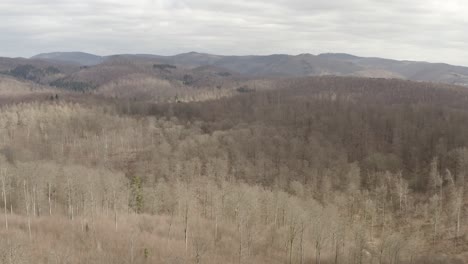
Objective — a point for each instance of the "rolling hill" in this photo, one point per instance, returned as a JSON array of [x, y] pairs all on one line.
[[291, 65], [80, 58]]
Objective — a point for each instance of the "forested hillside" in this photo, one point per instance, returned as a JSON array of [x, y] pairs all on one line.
[[294, 170], [338, 64]]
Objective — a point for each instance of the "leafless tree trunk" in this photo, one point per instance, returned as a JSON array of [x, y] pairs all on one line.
[[70, 200], [239, 229], [239, 220], [132, 249], [436, 214], [169, 228], [115, 210], [402, 191], [291, 237], [186, 226], [336, 245], [216, 230], [302, 242], [27, 203], [318, 248], [459, 208], [4, 200], [48, 196], [34, 200]]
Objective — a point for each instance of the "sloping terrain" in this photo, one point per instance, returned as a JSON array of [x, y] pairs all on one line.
[[80, 58], [288, 65], [127, 77], [329, 64], [314, 170]]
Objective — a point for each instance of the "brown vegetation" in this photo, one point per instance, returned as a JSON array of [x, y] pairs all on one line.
[[316, 170]]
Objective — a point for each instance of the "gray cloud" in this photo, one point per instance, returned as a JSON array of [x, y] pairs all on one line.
[[431, 30]]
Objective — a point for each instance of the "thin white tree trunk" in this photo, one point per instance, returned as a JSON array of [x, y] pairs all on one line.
[[48, 196], [5, 201], [186, 228], [70, 200], [26, 199], [132, 249], [115, 211], [458, 222], [216, 230], [34, 200]]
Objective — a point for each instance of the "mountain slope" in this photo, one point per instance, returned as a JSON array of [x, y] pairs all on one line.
[[80, 58], [323, 64], [291, 65]]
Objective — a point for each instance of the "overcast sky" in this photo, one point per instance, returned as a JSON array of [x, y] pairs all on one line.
[[430, 30]]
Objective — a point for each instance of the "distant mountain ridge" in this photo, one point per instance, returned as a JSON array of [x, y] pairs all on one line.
[[340, 64], [80, 58]]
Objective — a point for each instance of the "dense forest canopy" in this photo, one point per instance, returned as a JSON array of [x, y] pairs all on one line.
[[383, 125], [295, 170]]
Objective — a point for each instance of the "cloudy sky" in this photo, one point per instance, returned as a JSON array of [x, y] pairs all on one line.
[[430, 30]]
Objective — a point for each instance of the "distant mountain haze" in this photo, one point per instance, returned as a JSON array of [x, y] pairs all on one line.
[[80, 58], [290, 65]]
